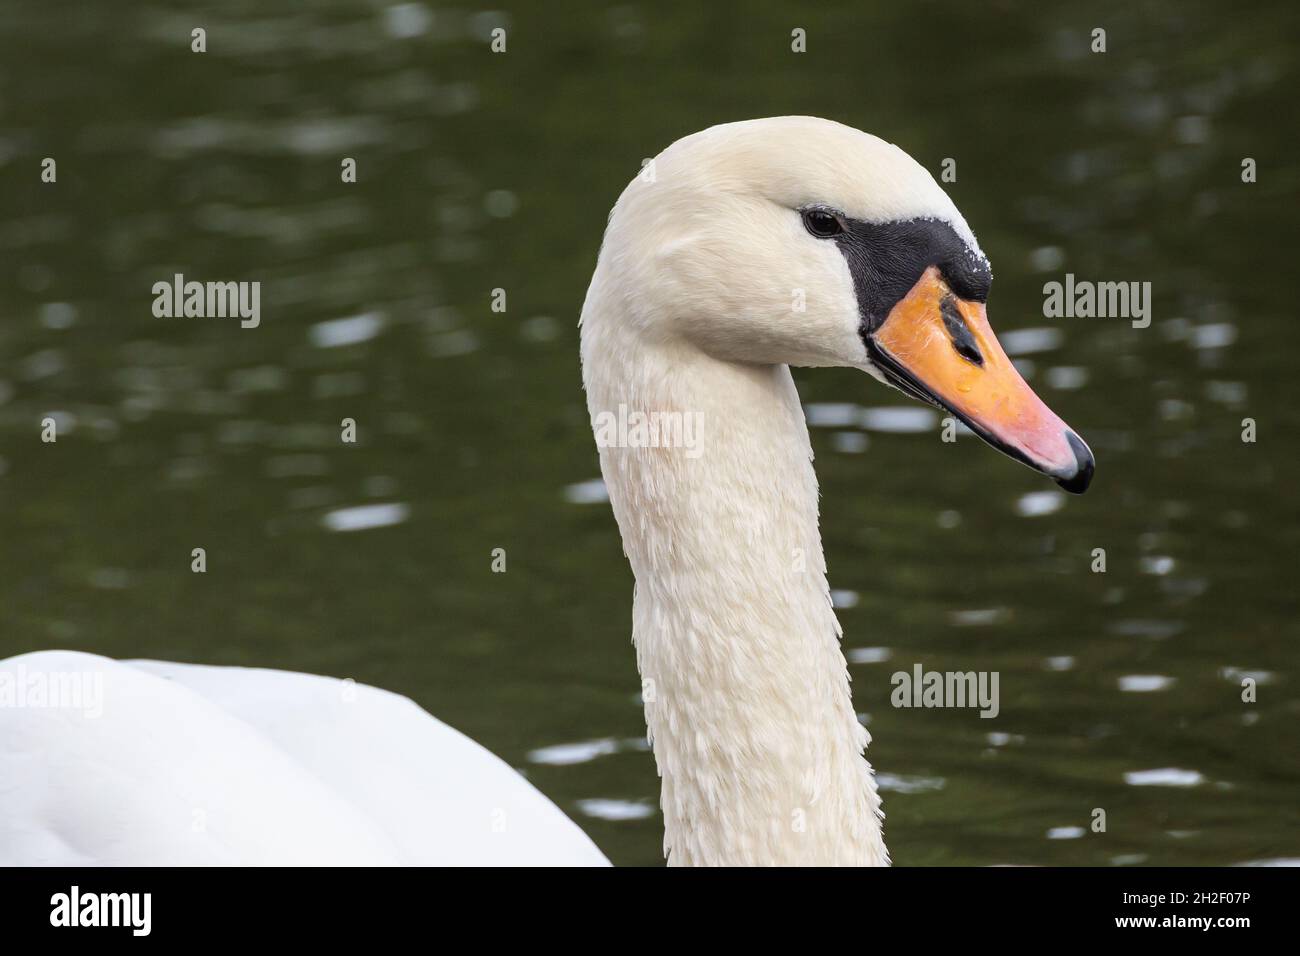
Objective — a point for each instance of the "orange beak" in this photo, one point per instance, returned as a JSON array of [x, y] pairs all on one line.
[[939, 348]]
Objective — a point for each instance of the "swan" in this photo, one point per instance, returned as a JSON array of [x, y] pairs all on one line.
[[738, 252]]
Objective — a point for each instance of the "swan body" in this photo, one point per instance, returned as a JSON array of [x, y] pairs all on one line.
[[182, 764], [740, 251]]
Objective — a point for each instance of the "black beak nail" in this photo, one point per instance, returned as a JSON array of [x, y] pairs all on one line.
[[1085, 465]]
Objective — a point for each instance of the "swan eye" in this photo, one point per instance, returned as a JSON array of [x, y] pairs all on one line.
[[821, 223]]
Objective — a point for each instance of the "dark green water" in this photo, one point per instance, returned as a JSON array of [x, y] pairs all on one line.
[[479, 171]]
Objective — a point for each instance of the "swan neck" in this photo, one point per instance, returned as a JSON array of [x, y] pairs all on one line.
[[746, 689]]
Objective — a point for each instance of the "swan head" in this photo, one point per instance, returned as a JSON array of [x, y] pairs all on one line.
[[800, 241]]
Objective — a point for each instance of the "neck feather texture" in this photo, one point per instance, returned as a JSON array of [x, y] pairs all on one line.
[[747, 692]]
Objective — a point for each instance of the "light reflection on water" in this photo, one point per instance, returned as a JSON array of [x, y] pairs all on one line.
[[364, 517], [1120, 689]]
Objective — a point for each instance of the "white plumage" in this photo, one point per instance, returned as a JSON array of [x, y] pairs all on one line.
[[692, 309], [184, 764]]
